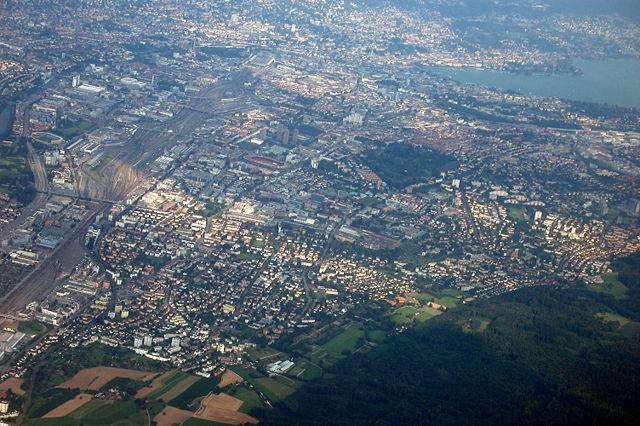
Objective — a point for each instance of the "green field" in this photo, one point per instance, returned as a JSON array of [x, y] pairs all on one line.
[[280, 386], [73, 129], [87, 408], [196, 390], [408, 314], [427, 313], [611, 317], [450, 292], [199, 422], [106, 158], [16, 178], [11, 274], [368, 201], [47, 401], [610, 286], [210, 209], [56, 421], [32, 328], [261, 353], [130, 386], [275, 389], [168, 384], [448, 301], [337, 348], [250, 398], [424, 297], [405, 315], [475, 325], [119, 412], [515, 213], [377, 336]]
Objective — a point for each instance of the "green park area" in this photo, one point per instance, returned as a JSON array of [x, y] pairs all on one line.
[[16, 178], [611, 285], [106, 158], [338, 347], [515, 213], [409, 314], [249, 397], [73, 129], [33, 328], [275, 388]]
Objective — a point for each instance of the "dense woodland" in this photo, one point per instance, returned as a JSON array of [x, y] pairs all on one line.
[[401, 164], [535, 356], [16, 178]]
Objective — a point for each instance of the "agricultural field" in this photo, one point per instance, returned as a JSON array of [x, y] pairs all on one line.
[[223, 408], [229, 378], [155, 384], [168, 383], [69, 406], [176, 388], [13, 384], [197, 390], [280, 386], [250, 399], [170, 416], [47, 401], [95, 378]]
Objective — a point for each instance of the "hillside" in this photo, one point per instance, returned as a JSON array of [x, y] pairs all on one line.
[[535, 356]]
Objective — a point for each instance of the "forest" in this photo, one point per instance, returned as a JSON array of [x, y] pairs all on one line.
[[401, 164], [538, 355]]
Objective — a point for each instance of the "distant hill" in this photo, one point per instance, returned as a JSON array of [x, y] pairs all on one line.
[[534, 356], [527, 8]]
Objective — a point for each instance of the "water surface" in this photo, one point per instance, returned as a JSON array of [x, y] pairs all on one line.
[[611, 81]]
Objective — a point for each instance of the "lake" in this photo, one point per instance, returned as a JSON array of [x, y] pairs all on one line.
[[611, 81]]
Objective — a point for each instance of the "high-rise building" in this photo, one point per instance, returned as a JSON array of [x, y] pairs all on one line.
[[75, 81]]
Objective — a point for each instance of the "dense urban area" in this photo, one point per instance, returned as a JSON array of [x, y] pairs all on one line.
[[205, 205]]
